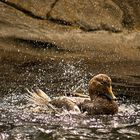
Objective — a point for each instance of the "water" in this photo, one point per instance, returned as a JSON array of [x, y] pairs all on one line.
[[18, 122]]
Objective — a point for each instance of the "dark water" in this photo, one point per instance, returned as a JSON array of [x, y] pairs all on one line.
[[18, 122]]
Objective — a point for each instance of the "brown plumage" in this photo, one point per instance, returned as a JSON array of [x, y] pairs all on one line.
[[101, 95], [101, 98], [65, 103]]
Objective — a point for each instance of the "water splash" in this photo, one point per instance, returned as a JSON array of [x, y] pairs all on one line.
[[18, 122]]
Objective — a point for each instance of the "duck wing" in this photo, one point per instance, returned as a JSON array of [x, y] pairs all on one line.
[[65, 103]]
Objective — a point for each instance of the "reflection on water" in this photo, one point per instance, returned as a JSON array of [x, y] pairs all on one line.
[[17, 122]]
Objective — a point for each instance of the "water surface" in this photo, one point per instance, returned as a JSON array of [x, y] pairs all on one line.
[[58, 76]]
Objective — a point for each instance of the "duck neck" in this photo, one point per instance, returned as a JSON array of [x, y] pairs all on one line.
[[99, 95], [93, 96]]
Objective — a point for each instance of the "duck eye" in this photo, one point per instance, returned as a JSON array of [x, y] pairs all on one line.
[[102, 83], [105, 83]]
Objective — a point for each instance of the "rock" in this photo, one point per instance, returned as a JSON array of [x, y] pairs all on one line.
[[86, 26], [34, 8], [89, 15], [131, 12]]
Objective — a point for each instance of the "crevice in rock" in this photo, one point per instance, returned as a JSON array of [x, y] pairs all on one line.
[[61, 22], [26, 12], [57, 21], [84, 27], [36, 44], [52, 6]]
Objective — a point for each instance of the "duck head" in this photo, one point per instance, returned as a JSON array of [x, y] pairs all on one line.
[[100, 86]]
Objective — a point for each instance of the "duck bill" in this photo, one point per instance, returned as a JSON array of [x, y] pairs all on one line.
[[110, 93]]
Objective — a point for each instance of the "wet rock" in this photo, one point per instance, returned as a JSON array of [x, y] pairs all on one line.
[[67, 24], [89, 15], [33, 8]]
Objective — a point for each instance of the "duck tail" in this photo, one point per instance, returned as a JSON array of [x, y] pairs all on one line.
[[42, 94], [38, 97]]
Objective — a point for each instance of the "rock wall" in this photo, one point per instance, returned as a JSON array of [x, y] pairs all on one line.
[[73, 25]]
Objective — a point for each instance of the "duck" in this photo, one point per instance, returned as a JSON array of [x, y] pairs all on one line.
[[100, 101]]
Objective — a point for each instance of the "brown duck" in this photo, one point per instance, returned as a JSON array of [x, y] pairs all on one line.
[[101, 99]]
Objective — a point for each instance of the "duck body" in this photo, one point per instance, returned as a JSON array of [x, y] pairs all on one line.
[[99, 106], [100, 101]]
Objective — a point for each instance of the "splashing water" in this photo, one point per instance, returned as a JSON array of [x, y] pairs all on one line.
[[18, 122]]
